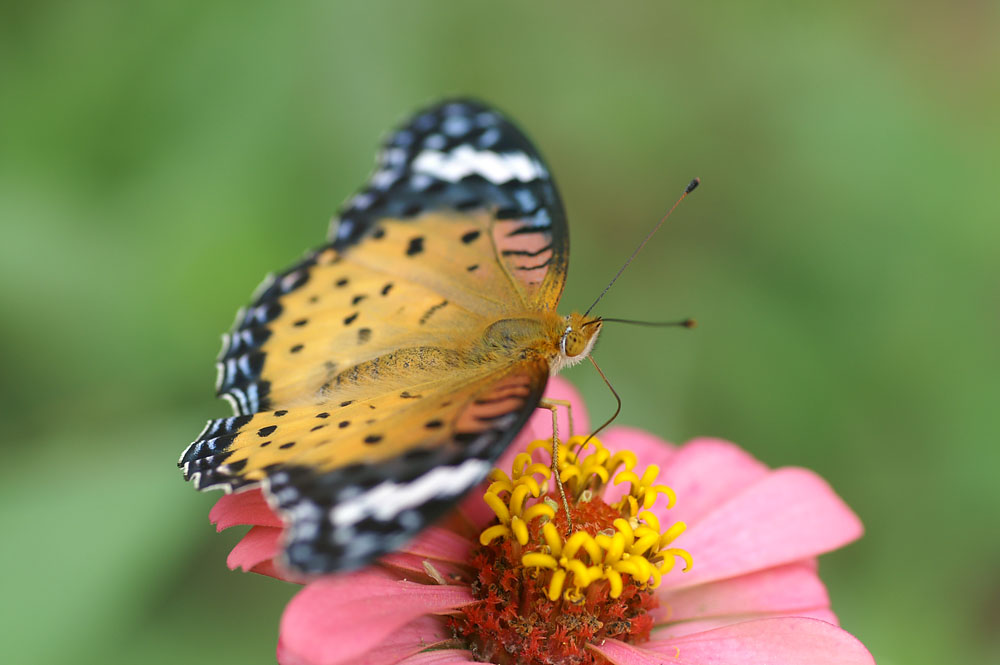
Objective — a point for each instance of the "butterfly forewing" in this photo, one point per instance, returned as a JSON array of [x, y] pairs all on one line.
[[355, 375]]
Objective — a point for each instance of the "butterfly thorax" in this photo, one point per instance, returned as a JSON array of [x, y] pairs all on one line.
[[561, 341]]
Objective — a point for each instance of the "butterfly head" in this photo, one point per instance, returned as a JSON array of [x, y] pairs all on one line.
[[577, 338]]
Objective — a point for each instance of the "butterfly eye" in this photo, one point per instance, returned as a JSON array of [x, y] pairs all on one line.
[[575, 343]]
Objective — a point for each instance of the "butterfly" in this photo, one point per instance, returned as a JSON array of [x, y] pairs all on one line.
[[376, 381]]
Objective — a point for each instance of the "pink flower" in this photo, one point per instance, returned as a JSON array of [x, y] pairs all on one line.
[[752, 595]]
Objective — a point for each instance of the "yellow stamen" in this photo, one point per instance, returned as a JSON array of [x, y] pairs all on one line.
[[581, 578], [498, 506], [499, 486], [492, 533], [556, 585], [682, 554], [624, 457], [625, 529], [539, 560], [520, 530], [585, 540], [552, 538], [531, 484], [617, 547], [652, 520], [633, 546], [538, 510], [517, 498], [643, 545], [649, 498], [676, 529], [627, 566], [614, 581]]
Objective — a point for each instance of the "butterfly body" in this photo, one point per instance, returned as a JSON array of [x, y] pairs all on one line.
[[375, 382]]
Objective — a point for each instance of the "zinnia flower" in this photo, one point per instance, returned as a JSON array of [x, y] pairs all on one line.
[[697, 554]]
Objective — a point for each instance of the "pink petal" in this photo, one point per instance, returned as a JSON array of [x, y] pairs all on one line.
[[339, 618], [438, 543], [795, 586], [415, 567], [271, 569], [474, 509], [705, 473], [243, 508], [619, 653], [260, 544], [442, 657], [789, 641], [675, 630], [412, 638], [789, 515]]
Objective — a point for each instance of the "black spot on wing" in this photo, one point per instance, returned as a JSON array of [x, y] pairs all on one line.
[[524, 252], [416, 246], [425, 317], [536, 267]]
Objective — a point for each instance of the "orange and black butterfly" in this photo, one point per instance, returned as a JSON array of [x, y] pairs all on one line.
[[376, 381]]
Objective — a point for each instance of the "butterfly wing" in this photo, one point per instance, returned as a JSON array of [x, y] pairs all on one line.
[[350, 373]]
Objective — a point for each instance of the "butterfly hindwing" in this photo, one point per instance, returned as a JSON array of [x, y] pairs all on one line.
[[341, 518]]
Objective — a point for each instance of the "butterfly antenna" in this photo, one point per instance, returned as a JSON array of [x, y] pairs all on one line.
[[618, 409], [687, 190], [686, 323]]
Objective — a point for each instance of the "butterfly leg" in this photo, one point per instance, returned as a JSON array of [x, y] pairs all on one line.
[[566, 404], [569, 414], [552, 405]]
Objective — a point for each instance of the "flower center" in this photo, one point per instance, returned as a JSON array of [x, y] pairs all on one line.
[[545, 588]]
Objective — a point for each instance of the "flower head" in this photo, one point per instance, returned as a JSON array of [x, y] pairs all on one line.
[[696, 554], [548, 583]]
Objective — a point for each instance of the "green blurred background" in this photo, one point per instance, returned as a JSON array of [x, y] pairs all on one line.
[[841, 257]]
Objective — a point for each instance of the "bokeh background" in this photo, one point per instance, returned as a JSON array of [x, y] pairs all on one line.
[[157, 159]]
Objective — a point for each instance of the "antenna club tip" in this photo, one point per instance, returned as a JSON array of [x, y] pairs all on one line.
[[692, 185], [689, 323]]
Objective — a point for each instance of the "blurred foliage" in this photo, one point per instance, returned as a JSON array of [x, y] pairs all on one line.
[[156, 159]]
